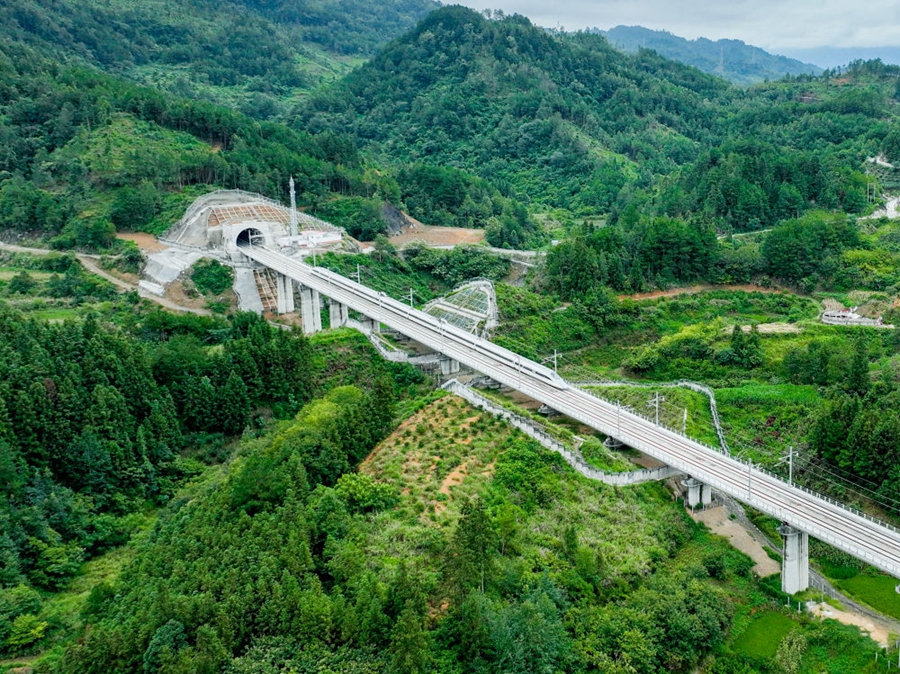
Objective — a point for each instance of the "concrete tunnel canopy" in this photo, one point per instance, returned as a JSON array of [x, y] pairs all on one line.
[[238, 234], [216, 221], [250, 235]]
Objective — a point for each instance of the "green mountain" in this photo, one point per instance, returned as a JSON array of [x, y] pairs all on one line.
[[563, 120], [732, 60], [248, 53], [462, 121]]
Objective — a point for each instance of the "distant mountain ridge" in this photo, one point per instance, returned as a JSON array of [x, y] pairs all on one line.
[[835, 57], [732, 60]]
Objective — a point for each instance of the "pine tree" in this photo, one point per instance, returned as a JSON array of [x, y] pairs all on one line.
[[409, 645], [752, 353], [473, 547], [858, 378], [737, 342], [233, 405]]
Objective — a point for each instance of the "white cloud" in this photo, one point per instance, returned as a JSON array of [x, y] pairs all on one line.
[[766, 23]]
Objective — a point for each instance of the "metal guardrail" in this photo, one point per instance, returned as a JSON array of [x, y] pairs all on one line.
[[536, 431], [683, 383]]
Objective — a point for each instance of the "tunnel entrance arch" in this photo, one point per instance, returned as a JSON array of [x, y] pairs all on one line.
[[250, 237]]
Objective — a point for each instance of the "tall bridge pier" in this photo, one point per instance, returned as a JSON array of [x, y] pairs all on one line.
[[337, 314], [310, 310], [795, 565], [284, 288]]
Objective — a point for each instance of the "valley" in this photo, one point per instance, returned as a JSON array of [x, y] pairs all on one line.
[[195, 476]]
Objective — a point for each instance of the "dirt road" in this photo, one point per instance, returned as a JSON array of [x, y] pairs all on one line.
[[90, 263], [693, 290]]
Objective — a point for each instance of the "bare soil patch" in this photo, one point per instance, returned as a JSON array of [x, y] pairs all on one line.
[[645, 461], [867, 304], [524, 401], [438, 236], [717, 520], [146, 242], [776, 328], [772, 328], [877, 630], [176, 293], [455, 477]]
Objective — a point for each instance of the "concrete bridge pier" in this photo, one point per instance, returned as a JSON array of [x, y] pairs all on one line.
[[310, 311], [697, 493], [795, 565], [337, 314], [370, 324], [284, 287], [449, 366]]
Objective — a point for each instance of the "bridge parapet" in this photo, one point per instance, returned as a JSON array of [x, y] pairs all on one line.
[[856, 533]]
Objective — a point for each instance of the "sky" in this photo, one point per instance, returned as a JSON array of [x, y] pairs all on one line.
[[770, 24]]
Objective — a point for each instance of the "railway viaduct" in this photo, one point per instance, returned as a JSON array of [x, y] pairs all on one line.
[[803, 513]]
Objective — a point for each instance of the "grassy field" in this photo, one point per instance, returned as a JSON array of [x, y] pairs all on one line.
[[877, 591], [6, 273], [54, 315], [763, 634], [763, 420]]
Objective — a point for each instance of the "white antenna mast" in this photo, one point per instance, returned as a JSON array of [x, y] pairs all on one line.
[[293, 214]]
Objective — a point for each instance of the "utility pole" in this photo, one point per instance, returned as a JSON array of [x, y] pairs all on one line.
[[410, 297], [554, 358], [790, 460], [657, 399], [871, 192], [749, 479], [684, 423]]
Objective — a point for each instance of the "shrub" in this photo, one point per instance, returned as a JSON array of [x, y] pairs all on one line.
[[211, 277], [363, 493]]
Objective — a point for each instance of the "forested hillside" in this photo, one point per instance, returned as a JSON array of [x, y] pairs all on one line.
[[732, 60], [93, 421], [84, 153], [568, 121], [249, 53], [560, 119], [465, 121], [530, 570]]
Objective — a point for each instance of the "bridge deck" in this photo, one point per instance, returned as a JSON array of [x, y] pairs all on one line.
[[857, 534]]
